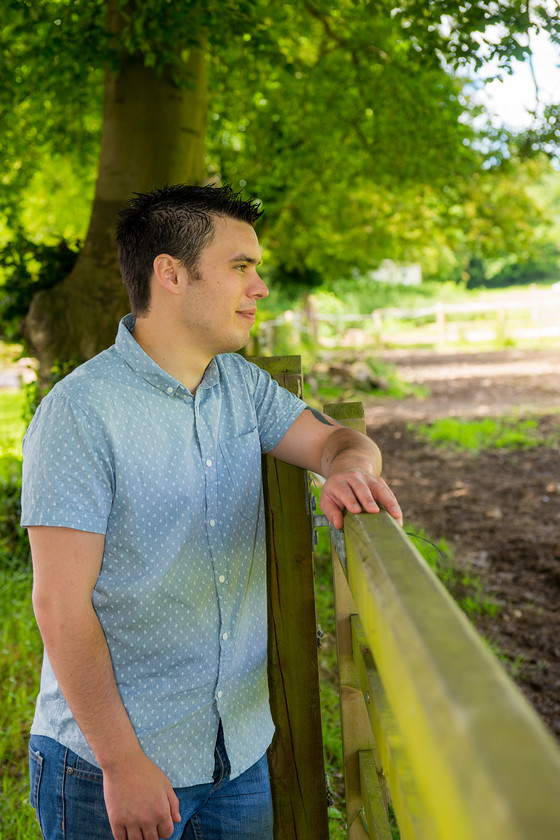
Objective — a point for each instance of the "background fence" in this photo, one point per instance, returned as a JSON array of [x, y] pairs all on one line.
[[534, 313]]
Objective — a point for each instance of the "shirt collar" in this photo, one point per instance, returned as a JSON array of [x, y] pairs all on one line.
[[130, 351]]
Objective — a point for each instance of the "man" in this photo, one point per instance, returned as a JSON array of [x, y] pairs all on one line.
[[142, 496]]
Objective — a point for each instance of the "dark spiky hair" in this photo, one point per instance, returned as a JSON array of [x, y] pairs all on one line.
[[176, 220]]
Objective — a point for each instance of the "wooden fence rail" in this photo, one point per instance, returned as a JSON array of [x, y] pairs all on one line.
[[430, 719], [540, 309]]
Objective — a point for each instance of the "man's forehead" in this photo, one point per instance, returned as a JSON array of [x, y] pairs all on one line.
[[236, 240]]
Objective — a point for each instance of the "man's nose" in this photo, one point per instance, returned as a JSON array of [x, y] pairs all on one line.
[[259, 289]]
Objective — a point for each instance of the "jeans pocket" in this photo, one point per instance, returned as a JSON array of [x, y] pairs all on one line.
[[35, 772]]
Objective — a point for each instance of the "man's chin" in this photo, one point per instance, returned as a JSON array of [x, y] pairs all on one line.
[[236, 344]]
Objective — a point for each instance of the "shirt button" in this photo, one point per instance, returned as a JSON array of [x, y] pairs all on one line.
[[208, 463], [219, 694], [222, 578], [170, 389], [225, 637], [212, 523]]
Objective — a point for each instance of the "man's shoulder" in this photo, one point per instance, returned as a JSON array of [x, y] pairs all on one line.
[[236, 364], [90, 379]]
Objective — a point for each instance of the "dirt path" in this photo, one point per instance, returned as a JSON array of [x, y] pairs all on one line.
[[500, 511]]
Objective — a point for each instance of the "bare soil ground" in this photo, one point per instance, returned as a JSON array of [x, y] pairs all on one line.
[[500, 511]]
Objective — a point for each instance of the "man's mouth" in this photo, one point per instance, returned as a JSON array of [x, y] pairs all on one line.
[[249, 314]]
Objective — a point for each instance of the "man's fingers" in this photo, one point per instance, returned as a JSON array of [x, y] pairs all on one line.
[[165, 829], [354, 491], [378, 492]]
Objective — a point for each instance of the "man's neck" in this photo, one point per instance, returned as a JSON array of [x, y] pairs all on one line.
[[173, 354]]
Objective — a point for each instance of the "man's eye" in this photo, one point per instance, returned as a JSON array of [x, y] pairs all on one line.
[[241, 267]]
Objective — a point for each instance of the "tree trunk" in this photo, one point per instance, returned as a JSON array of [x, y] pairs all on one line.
[[153, 135]]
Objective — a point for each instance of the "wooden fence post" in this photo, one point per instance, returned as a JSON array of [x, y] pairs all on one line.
[[358, 747], [440, 321], [296, 761]]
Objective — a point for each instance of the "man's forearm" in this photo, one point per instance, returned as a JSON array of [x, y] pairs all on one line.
[[78, 653], [346, 449]]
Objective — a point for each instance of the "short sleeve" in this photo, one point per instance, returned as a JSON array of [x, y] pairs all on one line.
[[67, 469], [276, 407]]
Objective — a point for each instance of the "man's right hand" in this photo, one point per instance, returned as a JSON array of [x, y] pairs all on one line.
[[140, 801]]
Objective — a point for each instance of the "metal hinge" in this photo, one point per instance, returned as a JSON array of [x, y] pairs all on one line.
[[319, 520]]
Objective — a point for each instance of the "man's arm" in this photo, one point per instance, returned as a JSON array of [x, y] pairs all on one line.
[[349, 461], [140, 801]]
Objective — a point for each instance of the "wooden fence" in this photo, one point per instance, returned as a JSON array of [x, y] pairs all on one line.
[[430, 720], [534, 314]]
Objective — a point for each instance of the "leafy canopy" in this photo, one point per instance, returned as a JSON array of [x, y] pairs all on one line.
[[344, 116]]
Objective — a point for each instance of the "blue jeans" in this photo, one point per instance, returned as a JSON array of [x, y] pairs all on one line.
[[67, 794]]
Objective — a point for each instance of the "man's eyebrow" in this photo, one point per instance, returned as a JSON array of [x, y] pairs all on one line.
[[246, 259]]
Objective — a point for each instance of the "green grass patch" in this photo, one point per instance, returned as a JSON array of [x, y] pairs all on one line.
[[465, 588], [20, 668], [12, 405], [328, 675], [482, 434], [354, 377], [20, 641]]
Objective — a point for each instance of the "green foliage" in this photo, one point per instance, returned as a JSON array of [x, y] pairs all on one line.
[[27, 268], [14, 545], [328, 676], [344, 118], [20, 664], [514, 665], [20, 668], [349, 377], [484, 433], [499, 25], [544, 267], [466, 588], [51, 76], [332, 167], [13, 427]]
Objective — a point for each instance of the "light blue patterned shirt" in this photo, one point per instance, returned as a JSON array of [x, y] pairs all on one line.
[[173, 480]]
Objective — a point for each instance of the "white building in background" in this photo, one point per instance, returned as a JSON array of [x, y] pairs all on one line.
[[397, 273]]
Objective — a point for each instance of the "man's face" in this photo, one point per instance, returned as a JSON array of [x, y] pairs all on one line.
[[219, 304]]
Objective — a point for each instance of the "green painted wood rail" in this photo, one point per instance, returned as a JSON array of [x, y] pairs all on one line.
[[430, 720]]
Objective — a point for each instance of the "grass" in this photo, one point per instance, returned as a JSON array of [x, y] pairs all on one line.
[[20, 667], [20, 642], [348, 376], [12, 404], [485, 433], [462, 585], [330, 710]]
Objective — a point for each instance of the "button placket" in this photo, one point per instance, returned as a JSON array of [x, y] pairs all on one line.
[[208, 460]]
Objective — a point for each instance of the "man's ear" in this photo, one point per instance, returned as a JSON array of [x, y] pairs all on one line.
[[165, 272]]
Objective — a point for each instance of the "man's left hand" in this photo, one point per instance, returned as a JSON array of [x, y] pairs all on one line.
[[357, 490]]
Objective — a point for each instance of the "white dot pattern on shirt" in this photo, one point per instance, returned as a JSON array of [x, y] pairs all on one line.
[[175, 483]]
